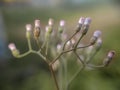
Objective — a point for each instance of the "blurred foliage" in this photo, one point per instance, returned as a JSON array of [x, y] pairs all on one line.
[[31, 73]]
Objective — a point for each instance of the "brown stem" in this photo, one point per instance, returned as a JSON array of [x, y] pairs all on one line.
[[54, 77], [69, 39]]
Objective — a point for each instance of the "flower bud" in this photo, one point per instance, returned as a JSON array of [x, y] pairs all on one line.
[[109, 57], [62, 23], [12, 46], [14, 50], [28, 29], [87, 21], [50, 22], [37, 29], [98, 44], [81, 20], [80, 23], [95, 36], [37, 23], [86, 25]]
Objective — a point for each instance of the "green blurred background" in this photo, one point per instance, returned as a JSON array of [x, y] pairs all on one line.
[[30, 72]]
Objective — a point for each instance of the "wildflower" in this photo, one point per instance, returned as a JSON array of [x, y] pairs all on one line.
[[98, 44], [61, 27], [95, 36], [87, 21], [86, 25], [37, 29], [13, 49], [80, 23], [50, 22], [109, 57], [28, 29]]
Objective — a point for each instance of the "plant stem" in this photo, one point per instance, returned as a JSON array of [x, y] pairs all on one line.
[[54, 77], [78, 41], [74, 76], [29, 44], [69, 39]]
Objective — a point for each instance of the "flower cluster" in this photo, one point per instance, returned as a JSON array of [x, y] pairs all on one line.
[[61, 45]]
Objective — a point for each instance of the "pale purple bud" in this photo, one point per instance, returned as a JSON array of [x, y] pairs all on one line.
[[37, 23], [50, 22], [111, 54], [28, 27], [12, 46], [62, 23], [81, 20], [97, 34], [87, 21]]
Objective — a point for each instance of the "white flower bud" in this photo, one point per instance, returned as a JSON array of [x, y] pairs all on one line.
[[37, 23], [87, 21], [81, 20], [62, 23], [97, 34], [12, 46], [50, 22], [28, 27]]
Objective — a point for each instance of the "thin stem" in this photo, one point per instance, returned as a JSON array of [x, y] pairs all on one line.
[[69, 39], [65, 71], [24, 54], [79, 41], [38, 43], [83, 63], [29, 44], [54, 77], [95, 66], [74, 76], [67, 52]]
